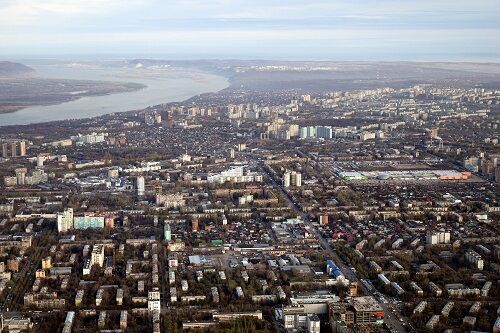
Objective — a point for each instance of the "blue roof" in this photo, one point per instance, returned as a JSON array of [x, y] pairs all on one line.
[[335, 271]]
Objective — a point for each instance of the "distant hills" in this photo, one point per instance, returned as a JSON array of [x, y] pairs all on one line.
[[14, 69]]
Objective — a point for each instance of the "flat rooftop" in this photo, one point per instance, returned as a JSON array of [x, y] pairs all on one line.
[[366, 304]]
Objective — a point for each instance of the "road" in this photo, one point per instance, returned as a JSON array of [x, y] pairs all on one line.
[[391, 312]]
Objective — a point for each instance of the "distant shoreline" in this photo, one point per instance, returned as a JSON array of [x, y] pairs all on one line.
[[4, 108]]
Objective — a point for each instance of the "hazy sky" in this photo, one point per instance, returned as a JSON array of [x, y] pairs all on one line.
[[334, 29]]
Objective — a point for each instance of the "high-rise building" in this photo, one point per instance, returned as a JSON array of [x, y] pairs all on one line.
[[65, 220], [22, 148], [286, 179], [292, 178], [437, 237], [475, 258], [241, 146], [97, 255], [154, 304], [21, 175], [5, 150], [40, 159], [296, 179], [167, 232], [195, 225], [13, 149], [307, 132], [141, 187], [324, 132]]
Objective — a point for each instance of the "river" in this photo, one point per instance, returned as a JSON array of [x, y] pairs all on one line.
[[162, 85]]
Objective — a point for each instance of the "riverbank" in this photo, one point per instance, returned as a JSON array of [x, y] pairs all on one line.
[[6, 108], [38, 92], [160, 86]]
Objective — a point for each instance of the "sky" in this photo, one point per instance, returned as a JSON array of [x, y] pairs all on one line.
[[454, 30]]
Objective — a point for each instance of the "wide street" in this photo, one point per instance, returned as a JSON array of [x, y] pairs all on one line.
[[391, 312]]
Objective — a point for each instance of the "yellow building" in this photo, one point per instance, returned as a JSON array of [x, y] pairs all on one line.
[[40, 273], [47, 263]]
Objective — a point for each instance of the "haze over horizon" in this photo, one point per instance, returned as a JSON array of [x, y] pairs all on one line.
[[333, 30]]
